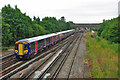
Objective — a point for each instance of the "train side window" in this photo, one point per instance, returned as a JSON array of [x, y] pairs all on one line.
[[25, 47], [47, 40], [54, 38], [40, 43], [50, 39], [58, 36], [32, 45]]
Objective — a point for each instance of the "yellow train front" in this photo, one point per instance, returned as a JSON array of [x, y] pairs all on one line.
[[21, 49]]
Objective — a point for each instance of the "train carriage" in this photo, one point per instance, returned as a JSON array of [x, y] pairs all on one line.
[[26, 48]]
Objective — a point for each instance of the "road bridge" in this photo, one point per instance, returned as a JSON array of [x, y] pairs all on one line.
[[83, 25]]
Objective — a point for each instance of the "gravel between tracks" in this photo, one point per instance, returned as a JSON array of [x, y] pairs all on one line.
[[66, 67], [77, 70]]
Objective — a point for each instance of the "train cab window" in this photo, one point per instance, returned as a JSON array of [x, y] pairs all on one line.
[[16, 46], [25, 47]]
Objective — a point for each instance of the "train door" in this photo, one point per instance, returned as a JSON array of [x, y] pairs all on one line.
[[20, 49]]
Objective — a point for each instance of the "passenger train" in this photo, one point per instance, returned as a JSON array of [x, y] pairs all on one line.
[[27, 48]]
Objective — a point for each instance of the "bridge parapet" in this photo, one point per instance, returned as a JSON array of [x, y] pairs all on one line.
[[86, 25]]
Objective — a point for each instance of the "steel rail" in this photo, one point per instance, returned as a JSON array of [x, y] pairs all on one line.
[[74, 58], [43, 74], [55, 73], [24, 66]]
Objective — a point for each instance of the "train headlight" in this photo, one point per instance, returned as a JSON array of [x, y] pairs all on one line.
[[16, 52], [25, 52]]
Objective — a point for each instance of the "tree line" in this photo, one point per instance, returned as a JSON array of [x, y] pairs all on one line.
[[17, 25], [110, 30]]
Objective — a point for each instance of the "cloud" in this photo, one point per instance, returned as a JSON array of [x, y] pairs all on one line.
[[73, 10]]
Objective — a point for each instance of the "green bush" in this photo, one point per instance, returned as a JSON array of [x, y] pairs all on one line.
[[88, 44], [98, 39], [109, 30], [5, 48], [103, 57]]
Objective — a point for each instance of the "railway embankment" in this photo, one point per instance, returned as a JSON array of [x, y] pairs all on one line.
[[102, 58]]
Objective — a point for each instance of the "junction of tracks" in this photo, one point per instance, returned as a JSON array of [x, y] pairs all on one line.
[[62, 60]]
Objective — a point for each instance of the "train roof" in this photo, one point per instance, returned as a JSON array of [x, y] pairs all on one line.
[[33, 39], [65, 31], [29, 40]]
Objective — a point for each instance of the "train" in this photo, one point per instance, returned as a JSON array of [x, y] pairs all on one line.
[[28, 48]]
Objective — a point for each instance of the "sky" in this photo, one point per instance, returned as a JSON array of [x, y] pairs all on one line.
[[78, 11], [119, 8]]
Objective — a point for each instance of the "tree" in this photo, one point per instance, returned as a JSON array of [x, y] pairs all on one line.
[[17, 25], [109, 30], [6, 34], [62, 19]]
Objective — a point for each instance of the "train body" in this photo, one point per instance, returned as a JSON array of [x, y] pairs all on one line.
[[27, 48]]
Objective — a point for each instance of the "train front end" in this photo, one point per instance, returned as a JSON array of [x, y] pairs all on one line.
[[21, 50]]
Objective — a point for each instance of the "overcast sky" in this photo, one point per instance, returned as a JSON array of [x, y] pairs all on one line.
[[78, 11]]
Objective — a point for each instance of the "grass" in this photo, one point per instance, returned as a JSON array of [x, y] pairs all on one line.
[[6, 48], [102, 57]]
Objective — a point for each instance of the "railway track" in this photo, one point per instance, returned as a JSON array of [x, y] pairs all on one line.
[[5, 63], [53, 72], [74, 57], [7, 53], [26, 76], [24, 64], [9, 60]]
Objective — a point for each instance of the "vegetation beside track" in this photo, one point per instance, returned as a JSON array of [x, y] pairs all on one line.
[[102, 57], [7, 48], [109, 30]]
